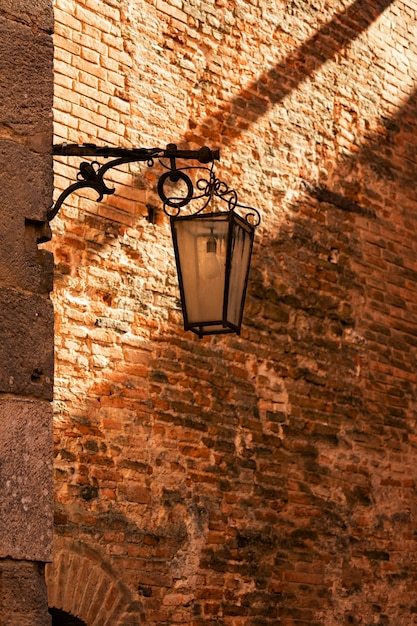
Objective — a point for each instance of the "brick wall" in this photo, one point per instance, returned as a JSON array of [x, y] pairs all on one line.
[[270, 478]]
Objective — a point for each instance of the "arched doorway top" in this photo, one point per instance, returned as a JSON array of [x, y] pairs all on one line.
[[62, 618], [80, 583]]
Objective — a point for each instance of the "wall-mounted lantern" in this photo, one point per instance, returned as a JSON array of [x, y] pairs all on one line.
[[212, 248]]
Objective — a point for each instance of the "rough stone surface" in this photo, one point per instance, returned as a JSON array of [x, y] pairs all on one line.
[[267, 479], [37, 13], [26, 99], [26, 322], [26, 480], [26, 351], [26, 188], [22, 588]]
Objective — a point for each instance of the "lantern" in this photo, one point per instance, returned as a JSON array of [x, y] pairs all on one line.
[[212, 250], [213, 253]]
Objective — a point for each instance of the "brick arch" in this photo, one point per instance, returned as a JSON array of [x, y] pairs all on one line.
[[82, 584]]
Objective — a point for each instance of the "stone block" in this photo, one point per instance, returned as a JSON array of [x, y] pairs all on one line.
[[26, 502], [26, 346], [37, 13], [26, 196], [23, 594], [26, 84], [27, 180]]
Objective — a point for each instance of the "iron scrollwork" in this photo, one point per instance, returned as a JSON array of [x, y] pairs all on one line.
[[91, 175]]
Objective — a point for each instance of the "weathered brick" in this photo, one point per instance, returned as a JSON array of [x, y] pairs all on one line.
[[293, 442]]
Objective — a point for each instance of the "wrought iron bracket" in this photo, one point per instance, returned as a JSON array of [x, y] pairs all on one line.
[[91, 175]]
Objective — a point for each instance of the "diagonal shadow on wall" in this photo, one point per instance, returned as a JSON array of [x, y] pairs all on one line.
[[387, 165], [274, 85]]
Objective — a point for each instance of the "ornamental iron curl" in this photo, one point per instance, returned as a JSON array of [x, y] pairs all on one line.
[[91, 175]]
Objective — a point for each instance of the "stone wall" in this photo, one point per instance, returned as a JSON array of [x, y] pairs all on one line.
[[26, 272], [268, 478]]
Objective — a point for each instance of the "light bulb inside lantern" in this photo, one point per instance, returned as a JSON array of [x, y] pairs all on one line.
[[212, 268]]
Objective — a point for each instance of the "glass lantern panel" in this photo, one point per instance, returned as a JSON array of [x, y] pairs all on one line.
[[201, 256], [241, 242]]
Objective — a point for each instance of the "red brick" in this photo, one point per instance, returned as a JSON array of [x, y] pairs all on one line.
[[270, 455]]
